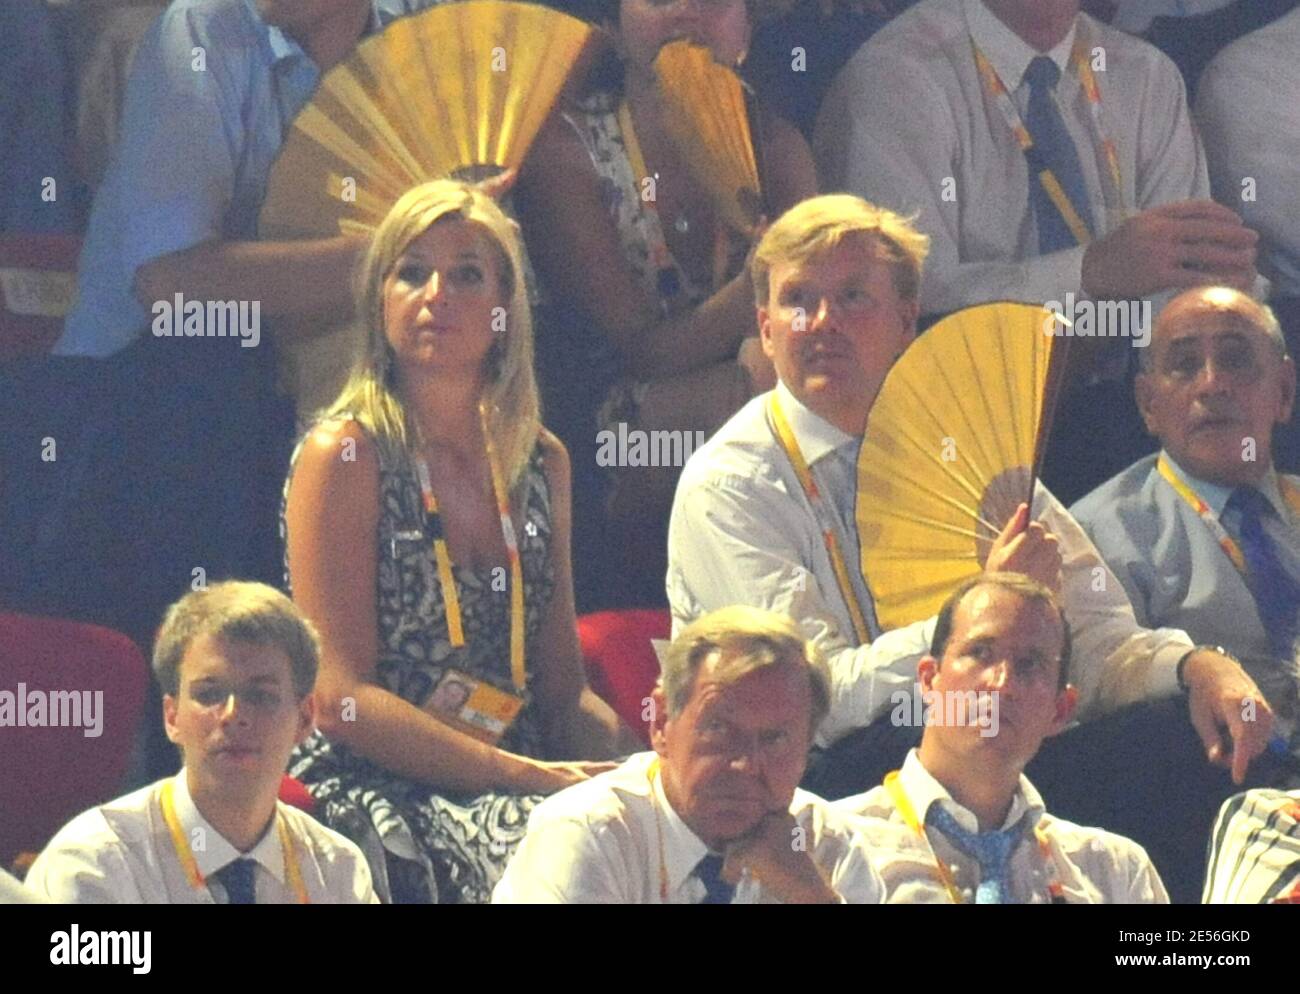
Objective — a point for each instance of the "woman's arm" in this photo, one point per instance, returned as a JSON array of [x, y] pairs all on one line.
[[332, 517], [791, 175], [575, 246], [577, 724]]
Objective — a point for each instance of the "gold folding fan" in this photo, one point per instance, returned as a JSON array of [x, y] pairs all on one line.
[[708, 122], [457, 86], [953, 444]]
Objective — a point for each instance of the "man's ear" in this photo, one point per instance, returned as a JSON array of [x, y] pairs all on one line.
[[765, 331], [170, 707], [926, 672], [1066, 702], [306, 718], [1144, 392], [910, 314], [658, 721], [1288, 390]]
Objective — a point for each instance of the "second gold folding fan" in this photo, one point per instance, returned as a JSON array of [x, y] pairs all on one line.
[[460, 85], [953, 443]]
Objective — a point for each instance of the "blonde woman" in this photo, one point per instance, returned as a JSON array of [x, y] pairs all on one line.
[[427, 529]]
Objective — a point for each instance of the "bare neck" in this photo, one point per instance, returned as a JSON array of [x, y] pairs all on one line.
[[1041, 31], [986, 792], [446, 410], [240, 821], [331, 39]]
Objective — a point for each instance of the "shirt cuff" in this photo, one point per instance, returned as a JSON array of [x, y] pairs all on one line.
[[1164, 663]]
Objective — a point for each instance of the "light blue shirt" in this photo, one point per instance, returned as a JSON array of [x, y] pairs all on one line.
[[212, 93]]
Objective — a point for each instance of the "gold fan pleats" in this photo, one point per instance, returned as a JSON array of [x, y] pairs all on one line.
[[708, 122], [952, 444], [460, 85]]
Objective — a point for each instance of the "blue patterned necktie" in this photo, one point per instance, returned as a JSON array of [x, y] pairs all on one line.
[[1054, 149], [992, 850], [709, 872], [1271, 573], [237, 877]]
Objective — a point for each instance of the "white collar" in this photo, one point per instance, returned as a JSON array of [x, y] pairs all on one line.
[[816, 436], [923, 789], [212, 850], [1216, 495], [1007, 51], [682, 848]]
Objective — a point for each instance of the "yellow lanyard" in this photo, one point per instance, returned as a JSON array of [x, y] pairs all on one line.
[[442, 557], [1206, 513], [662, 257], [1092, 92], [825, 519], [191, 866], [894, 786]]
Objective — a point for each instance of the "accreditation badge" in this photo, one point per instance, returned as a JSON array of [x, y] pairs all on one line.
[[473, 706]]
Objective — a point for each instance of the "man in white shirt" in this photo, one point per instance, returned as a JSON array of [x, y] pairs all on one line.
[[960, 822], [919, 122], [1248, 110], [835, 282], [237, 664], [1255, 850], [713, 815], [1206, 535]]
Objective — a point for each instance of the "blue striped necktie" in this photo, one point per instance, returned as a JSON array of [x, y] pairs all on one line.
[[1054, 149], [992, 850], [709, 872], [237, 877]]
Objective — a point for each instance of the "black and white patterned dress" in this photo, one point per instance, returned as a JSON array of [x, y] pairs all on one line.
[[425, 845]]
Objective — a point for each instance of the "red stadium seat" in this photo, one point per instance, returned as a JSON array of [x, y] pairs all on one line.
[[48, 774], [293, 792], [621, 663], [38, 278]]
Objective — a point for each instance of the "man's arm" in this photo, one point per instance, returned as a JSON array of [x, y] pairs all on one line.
[[728, 546], [89, 870]]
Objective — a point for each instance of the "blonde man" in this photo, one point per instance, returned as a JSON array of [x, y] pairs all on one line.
[[237, 664], [836, 286], [713, 815]]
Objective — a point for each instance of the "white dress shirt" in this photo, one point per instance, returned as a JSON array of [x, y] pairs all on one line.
[[599, 842], [907, 124], [122, 853], [1255, 849], [743, 532], [1248, 108], [1093, 866]]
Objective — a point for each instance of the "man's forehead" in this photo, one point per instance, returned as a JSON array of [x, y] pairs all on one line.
[[989, 611], [1206, 320], [853, 255], [217, 657]]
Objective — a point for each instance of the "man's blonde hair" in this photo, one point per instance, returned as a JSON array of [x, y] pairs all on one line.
[[746, 639], [237, 611], [818, 224]]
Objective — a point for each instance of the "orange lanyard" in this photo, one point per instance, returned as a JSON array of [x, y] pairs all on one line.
[[442, 557], [292, 871], [1206, 513], [825, 520], [894, 786], [662, 258], [1092, 92]]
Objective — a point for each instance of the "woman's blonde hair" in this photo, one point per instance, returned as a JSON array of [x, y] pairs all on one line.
[[509, 400]]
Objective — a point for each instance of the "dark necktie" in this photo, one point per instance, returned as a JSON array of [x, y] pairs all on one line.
[[709, 872], [1271, 573], [237, 878], [1054, 149], [992, 850]]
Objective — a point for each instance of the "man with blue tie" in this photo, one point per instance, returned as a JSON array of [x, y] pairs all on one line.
[[713, 815], [959, 822], [1205, 535], [1048, 157]]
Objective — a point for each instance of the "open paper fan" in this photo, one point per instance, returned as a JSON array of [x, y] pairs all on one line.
[[708, 122], [952, 446], [457, 86]]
